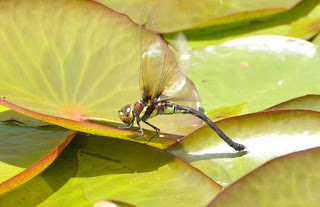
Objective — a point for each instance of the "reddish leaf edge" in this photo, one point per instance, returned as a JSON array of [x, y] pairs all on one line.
[[178, 158], [71, 124], [202, 173], [272, 11], [36, 168], [249, 114], [257, 169], [91, 128], [225, 19], [105, 6], [305, 96]]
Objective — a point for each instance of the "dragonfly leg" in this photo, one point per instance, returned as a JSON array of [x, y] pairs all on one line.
[[155, 128], [185, 109], [142, 133], [127, 126]]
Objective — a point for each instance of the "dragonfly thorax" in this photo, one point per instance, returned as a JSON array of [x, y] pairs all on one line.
[[139, 106], [146, 110]]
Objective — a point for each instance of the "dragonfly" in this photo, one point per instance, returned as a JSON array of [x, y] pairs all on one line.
[[163, 85]]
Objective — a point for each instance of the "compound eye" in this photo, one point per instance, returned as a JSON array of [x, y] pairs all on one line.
[[127, 110]]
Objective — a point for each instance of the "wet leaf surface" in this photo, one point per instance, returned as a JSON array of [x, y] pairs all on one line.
[[252, 74], [302, 21], [266, 135], [291, 180]]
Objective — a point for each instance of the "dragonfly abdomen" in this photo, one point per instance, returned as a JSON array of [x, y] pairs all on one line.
[[170, 108], [211, 124], [153, 110]]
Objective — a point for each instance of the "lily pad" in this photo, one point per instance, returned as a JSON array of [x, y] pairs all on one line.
[[9, 114], [265, 134], [93, 128], [27, 151], [191, 14], [291, 180], [309, 102], [302, 21], [97, 168], [252, 74], [167, 15], [80, 62], [137, 10], [3, 109]]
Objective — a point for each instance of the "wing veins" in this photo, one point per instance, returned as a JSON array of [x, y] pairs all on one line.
[[161, 87]]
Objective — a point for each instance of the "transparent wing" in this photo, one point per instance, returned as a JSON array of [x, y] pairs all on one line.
[[152, 57], [160, 75], [182, 52]]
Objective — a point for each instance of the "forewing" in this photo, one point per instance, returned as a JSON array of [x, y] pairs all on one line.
[[160, 75], [175, 86], [182, 52], [161, 78], [151, 67]]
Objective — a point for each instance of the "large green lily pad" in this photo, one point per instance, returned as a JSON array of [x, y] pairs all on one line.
[[190, 14], [254, 73], [98, 168], [302, 21], [27, 151], [169, 15], [265, 134], [73, 60], [291, 180]]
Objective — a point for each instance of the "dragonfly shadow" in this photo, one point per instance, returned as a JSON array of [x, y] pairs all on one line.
[[188, 156], [211, 156], [95, 157]]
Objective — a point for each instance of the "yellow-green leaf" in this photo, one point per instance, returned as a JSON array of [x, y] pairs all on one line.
[[309, 102], [291, 180], [73, 59], [254, 73], [27, 151], [265, 134], [96, 168]]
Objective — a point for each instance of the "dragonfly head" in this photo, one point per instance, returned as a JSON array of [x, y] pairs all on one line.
[[126, 114]]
